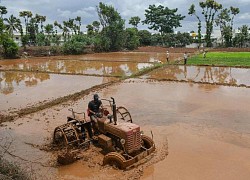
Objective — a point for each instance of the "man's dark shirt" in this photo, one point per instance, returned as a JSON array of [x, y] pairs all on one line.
[[94, 106]]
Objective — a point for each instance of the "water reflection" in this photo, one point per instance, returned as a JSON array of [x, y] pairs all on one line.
[[18, 89], [11, 80], [77, 67], [221, 75]]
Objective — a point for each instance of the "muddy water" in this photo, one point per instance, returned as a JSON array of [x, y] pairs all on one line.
[[222, 75], [21, 89], [200, 131], [104, 68]]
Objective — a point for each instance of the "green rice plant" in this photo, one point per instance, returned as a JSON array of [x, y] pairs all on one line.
[[221, 59]]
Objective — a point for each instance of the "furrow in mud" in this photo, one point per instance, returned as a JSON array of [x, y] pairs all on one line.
[[197, 82], [41, 106], [60, 73]]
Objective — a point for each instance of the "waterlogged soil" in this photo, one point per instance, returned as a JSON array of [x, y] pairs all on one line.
[[23, 89], [203, 74], [75, 67], [201, 131], [200, 128]]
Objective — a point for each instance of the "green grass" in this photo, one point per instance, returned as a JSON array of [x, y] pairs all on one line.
[[221, 59]]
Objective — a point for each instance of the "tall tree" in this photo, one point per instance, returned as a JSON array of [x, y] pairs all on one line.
[[40, 19], [26, 15], [12, 24], [209, 10], [78, 19], [90, 29], [49, 29], [113, 27], [225, 21], [162, 19], [221, 21], [96, 26], [191, 12], [134, 21], [243, 36], [3, 10]]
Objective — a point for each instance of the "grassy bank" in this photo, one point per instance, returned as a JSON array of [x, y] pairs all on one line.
[[221, 59], [9, 171]]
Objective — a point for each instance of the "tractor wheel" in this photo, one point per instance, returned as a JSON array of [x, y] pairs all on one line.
[[147, 142], [115, 159]]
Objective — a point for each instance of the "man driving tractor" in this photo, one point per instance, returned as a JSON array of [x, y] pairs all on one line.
[[94, 108]]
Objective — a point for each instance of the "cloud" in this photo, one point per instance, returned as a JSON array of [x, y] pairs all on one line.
[[84, 12], [61, 10]]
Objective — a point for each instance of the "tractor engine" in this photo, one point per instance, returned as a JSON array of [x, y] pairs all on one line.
[[128, 131]]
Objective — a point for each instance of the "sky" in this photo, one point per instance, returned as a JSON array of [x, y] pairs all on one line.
[[62, 10]]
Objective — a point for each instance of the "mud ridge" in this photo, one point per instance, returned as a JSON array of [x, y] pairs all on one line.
[[207, 65], [60, 73], [39, 107], [198, 82]]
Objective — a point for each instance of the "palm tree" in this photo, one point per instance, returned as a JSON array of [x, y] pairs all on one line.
[[49, 29], [65, 33], [3, 10], [26, 15], [12, 24], [71, 25], [40, 19], [78, 18]]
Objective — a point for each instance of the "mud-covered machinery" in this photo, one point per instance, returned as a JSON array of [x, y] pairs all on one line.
[[121, 139]]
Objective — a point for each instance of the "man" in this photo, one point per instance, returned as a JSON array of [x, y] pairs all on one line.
[[94, 110], [167, 56], [185, 56]]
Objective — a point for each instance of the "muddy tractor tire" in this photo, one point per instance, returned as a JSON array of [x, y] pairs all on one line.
[[147, 142], [115, 159]]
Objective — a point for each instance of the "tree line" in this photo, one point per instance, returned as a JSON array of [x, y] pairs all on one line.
[[110, 34]]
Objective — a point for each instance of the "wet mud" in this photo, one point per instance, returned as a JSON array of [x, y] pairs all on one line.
[[199, 131], [226, 76], [200, 123], [75, 67], [21, 90]]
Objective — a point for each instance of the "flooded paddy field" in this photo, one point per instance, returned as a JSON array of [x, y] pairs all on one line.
[[22, 89], [76, 67], [201, 130], [203, 74]]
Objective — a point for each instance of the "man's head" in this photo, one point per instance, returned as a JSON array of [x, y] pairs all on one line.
[[96, 97]]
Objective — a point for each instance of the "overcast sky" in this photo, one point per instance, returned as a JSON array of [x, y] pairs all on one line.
[[61, 10]]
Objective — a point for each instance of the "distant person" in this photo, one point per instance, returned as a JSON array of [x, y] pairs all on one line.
[[167, 57], [185, 56], [204, 54]]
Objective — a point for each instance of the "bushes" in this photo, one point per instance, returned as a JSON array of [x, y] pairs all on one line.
[[132, 38], [10, 48], [76, 44]]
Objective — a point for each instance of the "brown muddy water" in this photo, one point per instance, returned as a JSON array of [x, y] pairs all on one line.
[[22, 89], [104, 68], [221, 75], [201, 131]]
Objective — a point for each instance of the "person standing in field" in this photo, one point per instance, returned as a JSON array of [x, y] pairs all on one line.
[[185, 56], [204, 54], [167, 57]]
